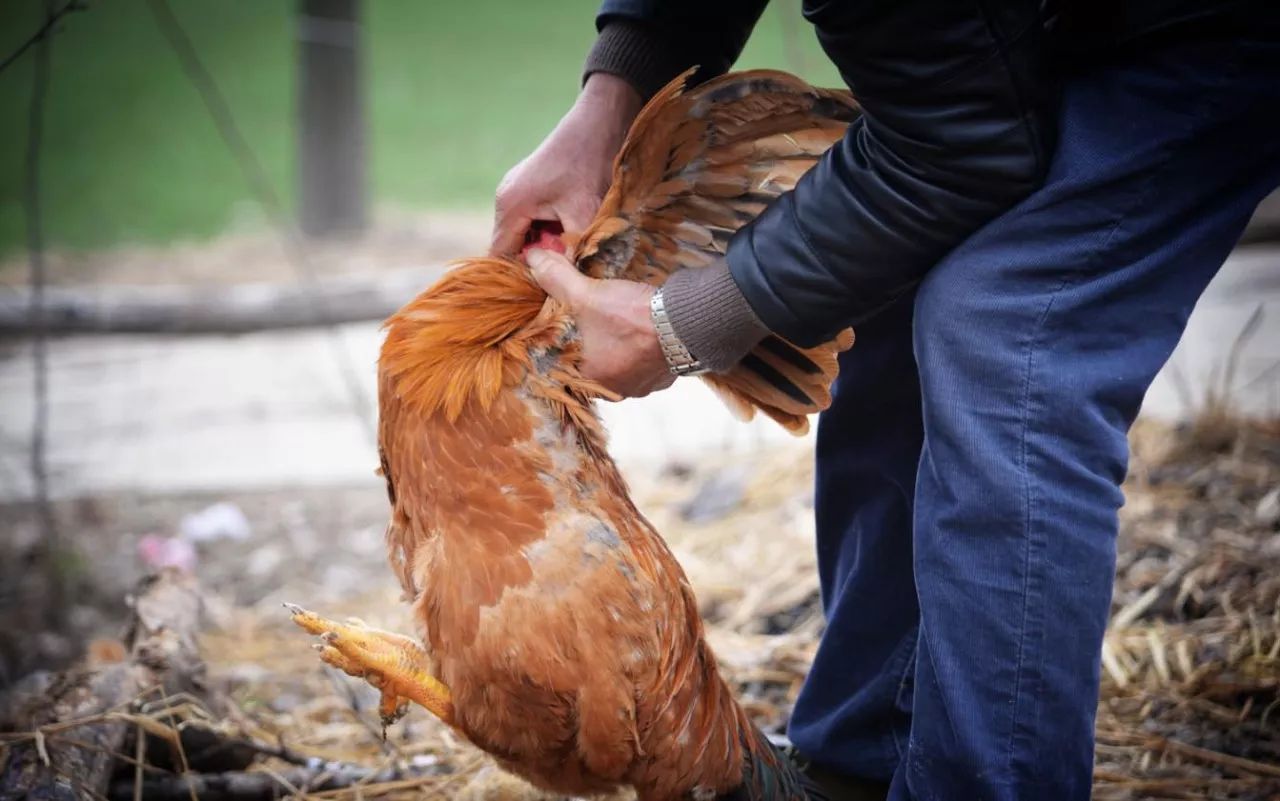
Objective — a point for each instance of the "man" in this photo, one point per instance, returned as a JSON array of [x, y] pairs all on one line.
[[1018, 229]]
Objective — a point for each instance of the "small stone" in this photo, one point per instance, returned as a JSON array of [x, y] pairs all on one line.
[[246, 673], [221, 521], [264, 561], [719, 495]]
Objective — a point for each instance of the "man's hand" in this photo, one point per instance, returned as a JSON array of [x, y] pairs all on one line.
[[567, 176], [620, 347]]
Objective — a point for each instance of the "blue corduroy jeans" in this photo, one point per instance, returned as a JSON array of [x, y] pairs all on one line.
[[969, 467]]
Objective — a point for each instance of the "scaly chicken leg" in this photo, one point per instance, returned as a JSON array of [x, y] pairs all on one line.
[[394, 664]]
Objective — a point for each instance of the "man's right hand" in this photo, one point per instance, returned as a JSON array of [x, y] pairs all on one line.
[[566, 178]]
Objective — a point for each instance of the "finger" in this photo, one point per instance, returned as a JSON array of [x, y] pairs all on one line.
[[557, 275], [509, 229]]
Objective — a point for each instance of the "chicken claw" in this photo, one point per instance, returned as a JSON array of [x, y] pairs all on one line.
[[397, 666]]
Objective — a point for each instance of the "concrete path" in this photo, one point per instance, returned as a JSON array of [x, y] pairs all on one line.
[[174, 414]]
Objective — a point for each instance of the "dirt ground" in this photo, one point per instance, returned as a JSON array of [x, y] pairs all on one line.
[[1191, 671], [1191, 705]]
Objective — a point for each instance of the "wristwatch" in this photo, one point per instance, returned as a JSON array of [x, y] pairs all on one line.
[[679, 359]]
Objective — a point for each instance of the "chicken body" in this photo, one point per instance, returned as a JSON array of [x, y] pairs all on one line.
[[564, 628], [559, 634]]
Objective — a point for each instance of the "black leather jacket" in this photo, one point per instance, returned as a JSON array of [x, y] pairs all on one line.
[[959, 100]]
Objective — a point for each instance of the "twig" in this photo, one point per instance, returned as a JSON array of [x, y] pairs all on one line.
[[263, 785], [1157, 743], [51, 548], [281, 752], [140, 757], [357, 710], [260, 184], [41, 748], [1139, 606], [43, 32], [176, 740], [78, 785], [125, 758], [1246, 333], [1178, 782], [284, 782], [1216, 757]]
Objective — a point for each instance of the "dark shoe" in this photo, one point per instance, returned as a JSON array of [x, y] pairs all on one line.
[[817, 783], [823, 784]]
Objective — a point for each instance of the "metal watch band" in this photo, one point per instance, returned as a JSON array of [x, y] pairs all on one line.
[[679, 359]]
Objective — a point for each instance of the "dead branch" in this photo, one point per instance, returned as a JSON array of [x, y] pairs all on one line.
[[76, 729], [269, 785], [223, 310]]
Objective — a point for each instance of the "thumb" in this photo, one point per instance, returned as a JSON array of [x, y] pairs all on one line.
[[558, 276]]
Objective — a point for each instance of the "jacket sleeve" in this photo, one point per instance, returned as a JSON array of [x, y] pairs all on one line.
[[956, 129], [649, 42]]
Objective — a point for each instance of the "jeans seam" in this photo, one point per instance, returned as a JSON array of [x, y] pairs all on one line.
[[1035, 341], [1028, 503]]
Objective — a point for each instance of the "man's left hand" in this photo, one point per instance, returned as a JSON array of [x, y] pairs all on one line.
[[620, 347]]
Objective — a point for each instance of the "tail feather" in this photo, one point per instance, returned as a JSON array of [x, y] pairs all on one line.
[[767, 774]]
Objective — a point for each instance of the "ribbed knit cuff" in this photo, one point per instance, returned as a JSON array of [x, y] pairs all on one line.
[[636, 54], [711, 316]]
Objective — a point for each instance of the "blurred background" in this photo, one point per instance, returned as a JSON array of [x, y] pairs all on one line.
[[207, 207]]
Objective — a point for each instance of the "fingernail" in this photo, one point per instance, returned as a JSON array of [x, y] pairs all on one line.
[[536, 258]]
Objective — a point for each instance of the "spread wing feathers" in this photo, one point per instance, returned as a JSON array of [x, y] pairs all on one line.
[[697, 166]]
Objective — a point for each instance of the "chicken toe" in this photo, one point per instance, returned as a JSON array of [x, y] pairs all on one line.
[[394, 664]]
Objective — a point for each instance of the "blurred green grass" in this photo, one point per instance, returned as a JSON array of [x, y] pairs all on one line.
[[457, 92]]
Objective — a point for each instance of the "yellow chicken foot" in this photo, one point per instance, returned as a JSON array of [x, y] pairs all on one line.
[[394, 664]]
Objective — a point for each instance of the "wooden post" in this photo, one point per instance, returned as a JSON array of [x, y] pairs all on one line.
[[331, 135]]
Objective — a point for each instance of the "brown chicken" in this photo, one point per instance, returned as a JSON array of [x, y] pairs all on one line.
[[559, 633]]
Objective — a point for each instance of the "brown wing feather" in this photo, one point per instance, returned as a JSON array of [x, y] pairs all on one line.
[[696, 167]]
